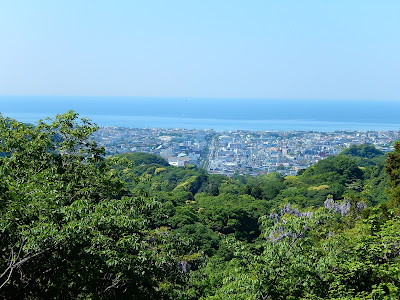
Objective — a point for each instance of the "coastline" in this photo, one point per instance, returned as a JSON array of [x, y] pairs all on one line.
[[208, 113], [219, 125]]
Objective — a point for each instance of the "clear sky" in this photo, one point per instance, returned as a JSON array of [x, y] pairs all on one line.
[[300, 49]]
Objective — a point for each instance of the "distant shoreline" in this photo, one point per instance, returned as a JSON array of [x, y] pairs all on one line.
[[217, 114], [215, 124]]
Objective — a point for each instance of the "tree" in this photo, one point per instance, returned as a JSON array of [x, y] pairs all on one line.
[[313, 255], [67, 230], [393, 169]]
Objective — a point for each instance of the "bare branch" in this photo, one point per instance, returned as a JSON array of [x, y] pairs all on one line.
[[16, 262]]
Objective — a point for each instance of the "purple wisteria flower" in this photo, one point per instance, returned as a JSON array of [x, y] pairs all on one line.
[[275, 217], [287, 209], [339, 207], [361, 205], [183, 266], [279, 234]]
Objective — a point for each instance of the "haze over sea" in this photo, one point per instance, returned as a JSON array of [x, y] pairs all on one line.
[[208, 113]]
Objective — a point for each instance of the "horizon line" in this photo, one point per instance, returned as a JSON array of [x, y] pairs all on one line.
[[191, 98]]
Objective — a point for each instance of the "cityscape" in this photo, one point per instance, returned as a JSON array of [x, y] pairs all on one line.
[[239, 152]]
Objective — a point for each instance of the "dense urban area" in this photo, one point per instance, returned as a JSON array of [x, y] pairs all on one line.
[[240, 152]]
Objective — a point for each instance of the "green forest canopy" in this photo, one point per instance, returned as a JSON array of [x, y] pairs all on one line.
[[75, 224]]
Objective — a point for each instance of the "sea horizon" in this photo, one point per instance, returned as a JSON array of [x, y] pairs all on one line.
[[211, 113]]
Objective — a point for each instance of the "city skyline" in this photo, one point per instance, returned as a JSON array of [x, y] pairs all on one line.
[[240, 151]]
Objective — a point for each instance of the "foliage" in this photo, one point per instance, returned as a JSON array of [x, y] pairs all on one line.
[[66, 229], [74, 224], [393, 169], [141, 158], [303, 257]]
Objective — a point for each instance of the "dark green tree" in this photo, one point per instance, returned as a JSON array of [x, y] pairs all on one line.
[[393, 169], [66, 228]]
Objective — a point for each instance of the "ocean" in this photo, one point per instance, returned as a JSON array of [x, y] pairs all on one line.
[[208, 113]]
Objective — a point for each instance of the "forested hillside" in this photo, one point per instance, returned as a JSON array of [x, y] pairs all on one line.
[[78, 225]]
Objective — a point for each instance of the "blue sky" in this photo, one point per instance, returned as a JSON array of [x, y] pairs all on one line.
[[219, 48]]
